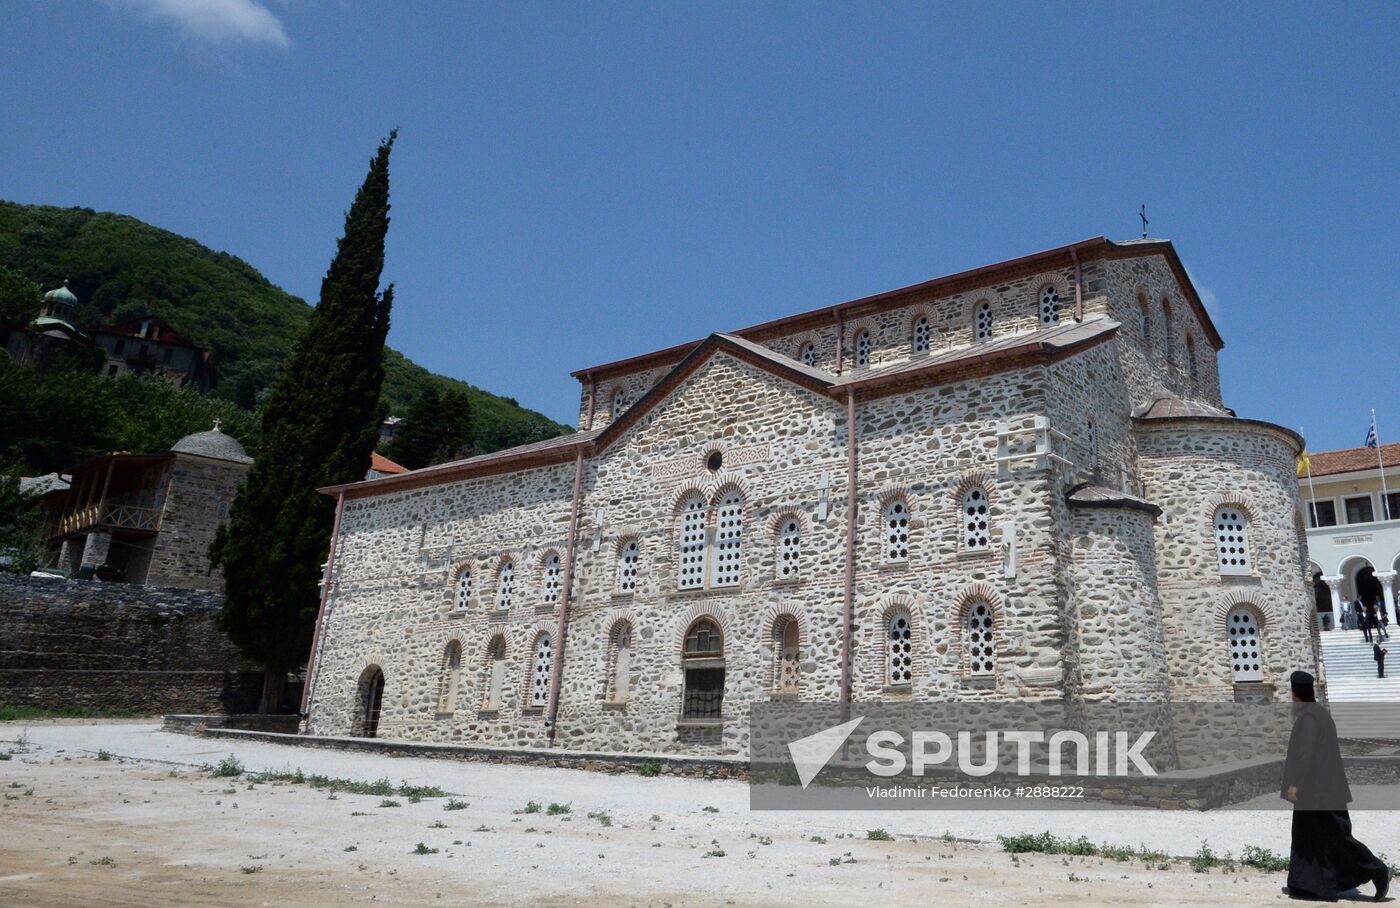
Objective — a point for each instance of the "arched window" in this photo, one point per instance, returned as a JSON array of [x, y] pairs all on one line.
[[464, 589], [789, 548], [896, 520], [692, 543], [1144, 318], [976, 535], [862, 349], [495, 673], [1191, 357], [787, 668], [371, 700], [808, 354], [1242, 628], [980, 628], [703, 662], [982, 321], [553, 578], [505, 584], [540, 670], [1232, 540], [899, 650], [451, 672], [921, 334], [1167, 327], [627, 559], [729, 537], [619, 403], [1049, 305], [620, 684]]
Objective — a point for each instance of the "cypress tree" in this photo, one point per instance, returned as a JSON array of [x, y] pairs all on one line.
[[437, 428], [319, 426]]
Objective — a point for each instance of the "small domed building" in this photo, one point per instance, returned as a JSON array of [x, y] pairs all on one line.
[[149, 518], [1014, 483]]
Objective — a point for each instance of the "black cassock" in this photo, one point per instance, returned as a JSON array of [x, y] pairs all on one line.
[[1325, 860]]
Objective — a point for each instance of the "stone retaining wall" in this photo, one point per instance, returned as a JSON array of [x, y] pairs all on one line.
[[113, 646]]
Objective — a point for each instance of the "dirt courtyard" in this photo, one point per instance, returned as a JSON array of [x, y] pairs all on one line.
[[123, 814]]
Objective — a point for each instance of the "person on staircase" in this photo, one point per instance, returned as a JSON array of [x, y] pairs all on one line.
[[1365, 617], [1383, 629], [1378, 653]]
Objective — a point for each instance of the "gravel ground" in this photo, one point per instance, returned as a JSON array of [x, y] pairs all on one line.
[[178, 836]]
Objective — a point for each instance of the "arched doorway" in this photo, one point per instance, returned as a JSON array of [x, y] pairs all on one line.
[[1368, 588], [371, 698], [1322, 596]]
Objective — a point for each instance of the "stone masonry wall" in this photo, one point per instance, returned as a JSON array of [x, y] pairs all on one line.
[[118, 647], [198, 493]]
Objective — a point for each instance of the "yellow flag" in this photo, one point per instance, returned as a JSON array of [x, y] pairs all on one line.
[[1304, 463]]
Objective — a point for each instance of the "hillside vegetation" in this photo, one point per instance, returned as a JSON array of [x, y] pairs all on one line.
[[120, 268]]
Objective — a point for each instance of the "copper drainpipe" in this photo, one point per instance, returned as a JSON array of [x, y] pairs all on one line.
[[848, 610], [557, 675], [1078, 287], [325, 598]]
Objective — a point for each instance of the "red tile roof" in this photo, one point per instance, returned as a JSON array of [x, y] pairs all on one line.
[[1352, 460], [381, 464]]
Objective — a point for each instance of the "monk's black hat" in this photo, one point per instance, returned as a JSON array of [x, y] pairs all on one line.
[[1302, 684]]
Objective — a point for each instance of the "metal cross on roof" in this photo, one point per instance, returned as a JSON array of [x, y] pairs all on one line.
[[1142, 213]]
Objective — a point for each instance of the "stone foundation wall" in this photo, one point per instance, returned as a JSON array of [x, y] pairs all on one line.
[[112, 646]]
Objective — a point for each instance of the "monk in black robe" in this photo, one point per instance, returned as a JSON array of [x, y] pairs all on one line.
[[1325, 859]]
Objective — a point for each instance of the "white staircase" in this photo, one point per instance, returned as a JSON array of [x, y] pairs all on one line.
[[1363, 705]]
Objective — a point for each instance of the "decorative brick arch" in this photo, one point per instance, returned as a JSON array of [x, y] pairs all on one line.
[[776, 521], [911, 318], [533, 635], [683, 621], [801, 341], [448, 692], [773, 612], [974, 479], [686, 490], [455, 575], [962, 605], [618, 386], [771, 643], [1231, 500], [853, 331], [1253, 600], [729, 482], [1062, 288], [614, 622], [374, 662], [890, 491], [887, 607]]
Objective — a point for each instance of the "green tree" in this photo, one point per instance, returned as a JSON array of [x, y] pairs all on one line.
[[19, 301], [319, 427], [438, 428], [21, 521]]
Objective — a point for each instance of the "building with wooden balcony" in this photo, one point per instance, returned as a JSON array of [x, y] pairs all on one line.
[[149, 518]]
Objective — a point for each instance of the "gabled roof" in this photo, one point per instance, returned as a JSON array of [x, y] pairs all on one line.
[[381, 464], [1014, 352], [1354, 460], [1024, 266], [160, 333]]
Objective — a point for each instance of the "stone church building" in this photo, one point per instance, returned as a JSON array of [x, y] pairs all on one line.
[[1016, 482]]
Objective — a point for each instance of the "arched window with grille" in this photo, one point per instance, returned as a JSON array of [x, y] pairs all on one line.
[[982, 321], [895, 520], [922, 335], [1049, 305], [619, 403], [979, 624], [1232, 540], [787, 661], [1144, 317], [726, 558], [899, 649], [505, 584], [451, 674], [1167, 328], [494, 688], [1191, 357], [976, 519], [553, 579], [702, 661], [692, 543], [541, 668], [1243, 631], [808, 354], [862, 350], [620, 684], [462, 593], [627, 557], [789, 555]]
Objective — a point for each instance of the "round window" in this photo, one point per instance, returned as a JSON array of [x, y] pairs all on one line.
[[714, 461]]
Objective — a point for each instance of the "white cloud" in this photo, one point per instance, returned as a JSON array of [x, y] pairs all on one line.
[[223, 22], [1207, 295]]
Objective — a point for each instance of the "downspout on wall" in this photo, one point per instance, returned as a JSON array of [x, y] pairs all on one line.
[[848, 607], [557, 674], [321, 610]]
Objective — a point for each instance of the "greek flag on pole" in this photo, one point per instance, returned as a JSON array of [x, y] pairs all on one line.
[[1371, 436]]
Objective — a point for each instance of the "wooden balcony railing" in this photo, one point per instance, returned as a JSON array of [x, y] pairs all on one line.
[[110, 516]]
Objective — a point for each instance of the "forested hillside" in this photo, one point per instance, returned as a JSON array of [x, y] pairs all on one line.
[[120, 267]]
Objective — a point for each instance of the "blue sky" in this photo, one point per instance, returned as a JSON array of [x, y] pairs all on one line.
[[576, 182]]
